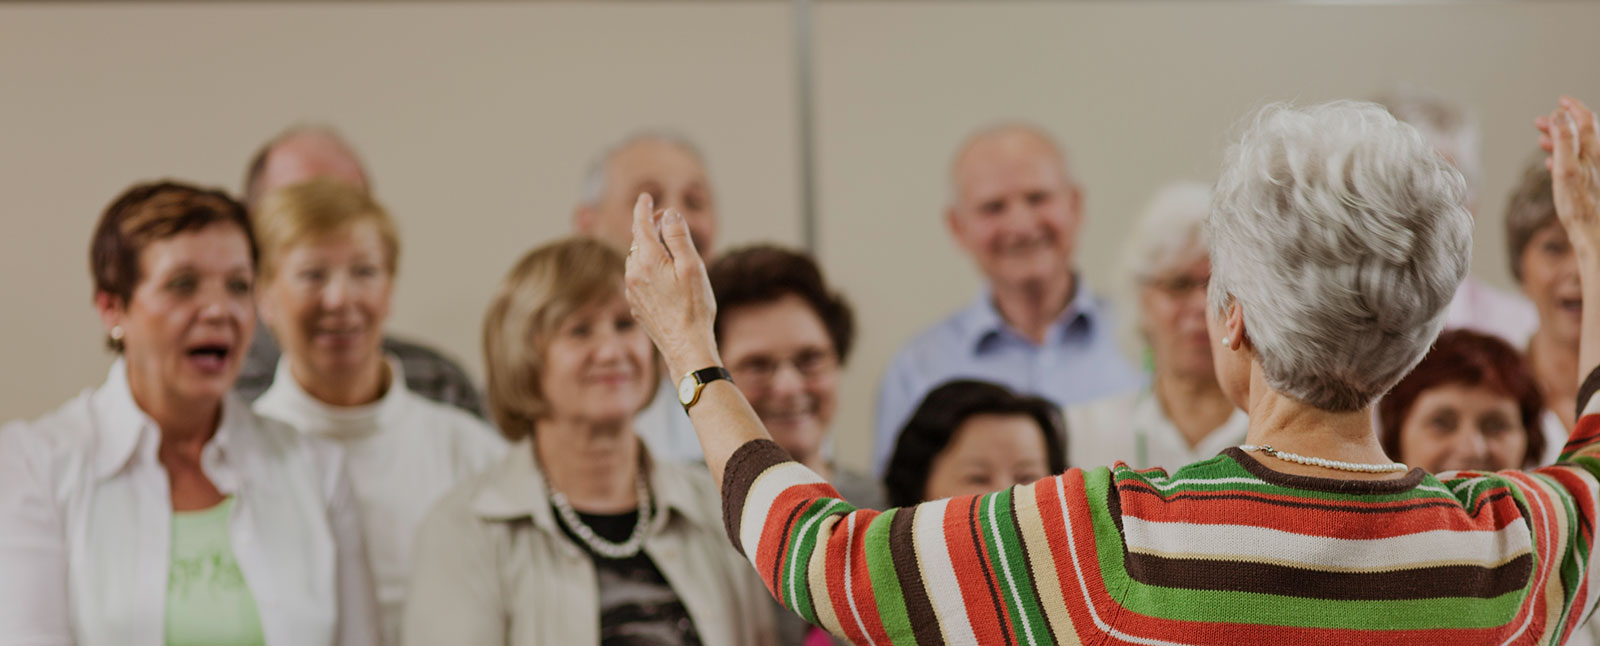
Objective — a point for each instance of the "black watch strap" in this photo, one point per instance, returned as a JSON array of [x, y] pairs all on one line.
[[708, 375]]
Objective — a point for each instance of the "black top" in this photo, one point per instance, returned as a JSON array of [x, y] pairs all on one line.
[[637, 605]]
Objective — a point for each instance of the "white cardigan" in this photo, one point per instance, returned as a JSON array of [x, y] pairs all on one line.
[[86, 518], [403, 452]]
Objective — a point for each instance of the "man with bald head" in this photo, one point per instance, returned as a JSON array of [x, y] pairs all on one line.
[[1035, 328], [668, 167], [671, 169], [308, 152]]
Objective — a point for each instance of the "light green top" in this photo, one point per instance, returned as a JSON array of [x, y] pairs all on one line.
[[208, 602]]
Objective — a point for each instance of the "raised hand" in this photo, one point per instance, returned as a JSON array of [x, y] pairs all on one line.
[[1569, 134], [668, 289], [1572, 137]]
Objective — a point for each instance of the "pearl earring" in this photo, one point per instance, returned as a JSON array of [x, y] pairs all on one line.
[[116, 333], [1227, 341]]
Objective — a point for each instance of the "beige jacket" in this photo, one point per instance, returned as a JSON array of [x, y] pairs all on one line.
[[494, 569]]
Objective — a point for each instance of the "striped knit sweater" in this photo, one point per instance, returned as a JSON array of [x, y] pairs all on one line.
[[1223, 551]]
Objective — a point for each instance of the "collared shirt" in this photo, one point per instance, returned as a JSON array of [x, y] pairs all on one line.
[[403, 453], [494, 569], [428, 372], [1133, 428], [1482, 308], [666, 429], [1077, 362], [86, 518]]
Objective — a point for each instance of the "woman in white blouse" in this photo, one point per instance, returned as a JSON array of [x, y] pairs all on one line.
[[158, 509], [328, 258], [1182, 417]]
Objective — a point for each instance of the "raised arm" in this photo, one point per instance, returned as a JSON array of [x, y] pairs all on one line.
[[671, 297], [977, 569], [1572, 137]]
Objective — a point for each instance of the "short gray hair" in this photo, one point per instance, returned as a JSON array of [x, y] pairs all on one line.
[[1451, 128], [1342, 234], [1172, 223], [596, 177]]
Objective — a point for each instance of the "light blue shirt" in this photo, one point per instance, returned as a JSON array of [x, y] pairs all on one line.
[[1078, 361]]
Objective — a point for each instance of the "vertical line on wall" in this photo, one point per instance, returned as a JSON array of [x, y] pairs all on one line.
[[806, 126]]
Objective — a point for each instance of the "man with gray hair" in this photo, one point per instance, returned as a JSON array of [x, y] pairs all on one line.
[[1016, 209], [1453, 132], [671, 169], [307, 152], [668, 167]]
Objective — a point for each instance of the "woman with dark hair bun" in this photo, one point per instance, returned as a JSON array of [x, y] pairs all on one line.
[[1470, 404], [973, 437]]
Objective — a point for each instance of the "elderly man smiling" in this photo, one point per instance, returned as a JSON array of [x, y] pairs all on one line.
[[1035, 328]]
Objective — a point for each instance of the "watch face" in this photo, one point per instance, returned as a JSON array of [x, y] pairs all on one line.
[[686, 390]]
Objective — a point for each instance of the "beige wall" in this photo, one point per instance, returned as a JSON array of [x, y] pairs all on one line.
[[477, 119]]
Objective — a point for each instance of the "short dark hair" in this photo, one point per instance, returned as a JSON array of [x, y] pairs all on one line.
[[942, 411], [1471, 359], [145, 213], [149, 212], [1531, 207], [760, 274]]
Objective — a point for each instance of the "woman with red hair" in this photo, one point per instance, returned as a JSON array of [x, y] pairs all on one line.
[[1469, 404]]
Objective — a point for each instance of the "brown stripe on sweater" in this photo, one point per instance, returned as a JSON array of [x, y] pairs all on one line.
[[1402, 484], [1587, 390], [1293, 504], [903, 552], [1396, 585], [746, 464]]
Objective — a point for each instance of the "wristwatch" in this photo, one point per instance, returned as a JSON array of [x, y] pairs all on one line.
[[689, 388]]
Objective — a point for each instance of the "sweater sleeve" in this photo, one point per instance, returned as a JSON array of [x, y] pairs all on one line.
[[1562, 504], [963, 570]]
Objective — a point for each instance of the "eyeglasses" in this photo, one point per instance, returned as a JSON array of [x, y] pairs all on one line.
[[1178, 286], [760, 371]]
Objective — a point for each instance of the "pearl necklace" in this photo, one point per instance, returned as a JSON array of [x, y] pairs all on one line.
[[595, 542], [1393, 467]]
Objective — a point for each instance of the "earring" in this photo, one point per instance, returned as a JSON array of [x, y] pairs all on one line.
[[1227, 341], [116, 333]]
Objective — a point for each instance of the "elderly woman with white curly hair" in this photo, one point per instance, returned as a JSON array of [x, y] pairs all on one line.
[[1338, 237]]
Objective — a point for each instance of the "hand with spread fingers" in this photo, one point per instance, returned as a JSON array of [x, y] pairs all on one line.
[[1571, 134], [668, 289]]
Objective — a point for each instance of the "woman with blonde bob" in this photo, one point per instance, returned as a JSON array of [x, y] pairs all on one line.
[[328, 259], [577, 536], [1338, 237]]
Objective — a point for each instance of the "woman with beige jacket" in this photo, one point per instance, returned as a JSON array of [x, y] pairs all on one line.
[[577, 536]]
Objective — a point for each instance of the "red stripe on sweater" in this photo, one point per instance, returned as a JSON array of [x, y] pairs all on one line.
[[985, 610], [774, 542], [1140, 501], [861, 580]]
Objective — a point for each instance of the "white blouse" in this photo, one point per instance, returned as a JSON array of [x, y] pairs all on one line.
[[403, 452], [1134, 429], [86, 517]]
